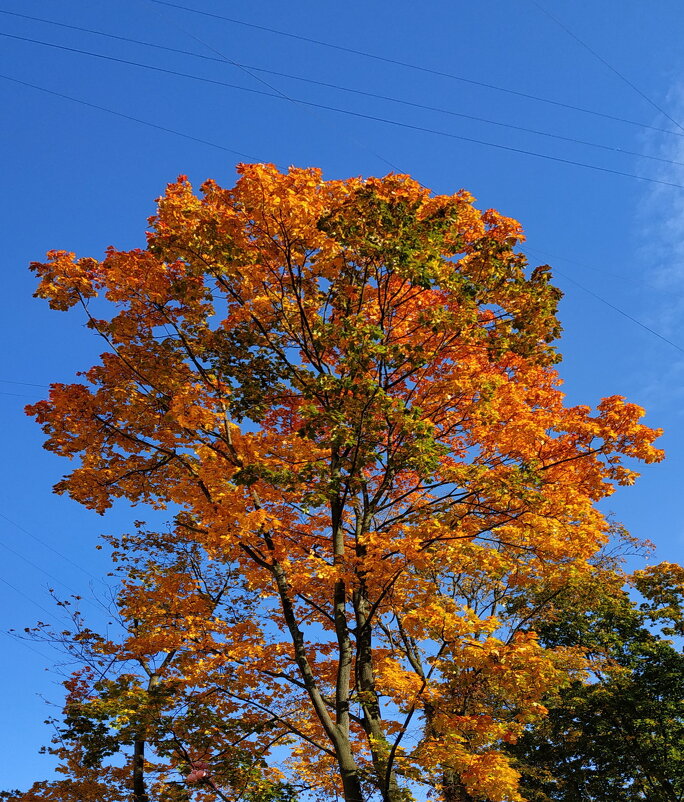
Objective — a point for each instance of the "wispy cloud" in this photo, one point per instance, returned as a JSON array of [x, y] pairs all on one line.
[[660, 217]]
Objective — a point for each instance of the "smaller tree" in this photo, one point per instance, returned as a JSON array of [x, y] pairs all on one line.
[[151, 717], [619, 737]]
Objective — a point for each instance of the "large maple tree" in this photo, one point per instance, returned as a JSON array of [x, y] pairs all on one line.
[[345, 391]]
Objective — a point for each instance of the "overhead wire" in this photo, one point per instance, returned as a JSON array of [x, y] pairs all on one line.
[[413, 66], [213, 144], [25, 384], [605, 301], [130, 117], [26, 596], [586, 289], [654, 105], [360, 92], [606, 63], [620, 311], [372, 117], [281, 96], [370, 55], [47, 545], [76, 595], [15, 395], [17, 639], [307, 107]]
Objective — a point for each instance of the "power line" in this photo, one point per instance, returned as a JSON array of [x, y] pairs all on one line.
[[47, 545], [34, 565], [26, 596], [25, 384], [280, 96], [42, 570], [306, 107], [16, 395], [612, 306], [356, 114], [594, 269], [606, 63], [17, 639], [350, 90], [418, 67], [129, 117]]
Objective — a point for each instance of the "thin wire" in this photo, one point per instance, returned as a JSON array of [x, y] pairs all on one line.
[[17, 639], [392, 122], [614, 307], [47, 546], [620, 311], [307, 107], [27, 597], [25, 384], [374, 118], [606, 63], [130, 117], [78, 596], [584, 266], [350, 90], [581, 286], [417, 67], [38, 568]]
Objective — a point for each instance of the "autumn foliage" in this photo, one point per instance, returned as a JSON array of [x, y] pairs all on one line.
[[345, 393]]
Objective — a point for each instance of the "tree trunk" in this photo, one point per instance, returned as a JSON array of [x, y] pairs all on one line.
[[452, 786], [372, 716], [139, 789], [453, 789]]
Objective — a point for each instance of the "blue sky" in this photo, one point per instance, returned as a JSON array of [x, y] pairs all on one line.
[[81, 178]]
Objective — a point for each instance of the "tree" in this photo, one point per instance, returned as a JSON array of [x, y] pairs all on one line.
[[140, 721], [620, 736], [346, 389]]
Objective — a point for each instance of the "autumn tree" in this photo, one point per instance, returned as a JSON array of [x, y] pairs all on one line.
[[347, 390], [147, 718], [619, 734]]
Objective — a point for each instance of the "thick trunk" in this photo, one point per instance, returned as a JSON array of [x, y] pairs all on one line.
[[372, 717], [139, 789], [453, 789], [349, 772], [337, 731]]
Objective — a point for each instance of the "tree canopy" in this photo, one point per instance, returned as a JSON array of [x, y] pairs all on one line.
[[345, 394], [619, 737]]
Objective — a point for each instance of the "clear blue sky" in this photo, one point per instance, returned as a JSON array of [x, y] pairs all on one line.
[[81, 178]]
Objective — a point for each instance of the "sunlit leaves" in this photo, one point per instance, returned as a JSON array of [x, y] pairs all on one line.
[[347, 388]]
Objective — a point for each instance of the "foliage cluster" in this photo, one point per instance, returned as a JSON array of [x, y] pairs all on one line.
[[345, 393]]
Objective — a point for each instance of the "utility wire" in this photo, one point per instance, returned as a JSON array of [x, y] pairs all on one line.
[[16, 395], [43, 571], [213, 144], [611, 305], [26, 596], [281, 96], [308, 108], [360, 92], [606, 63], [593, 268], [47, 545], [418, 67], [25, 384], [23, 529], [129, 117], [18, 639]]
